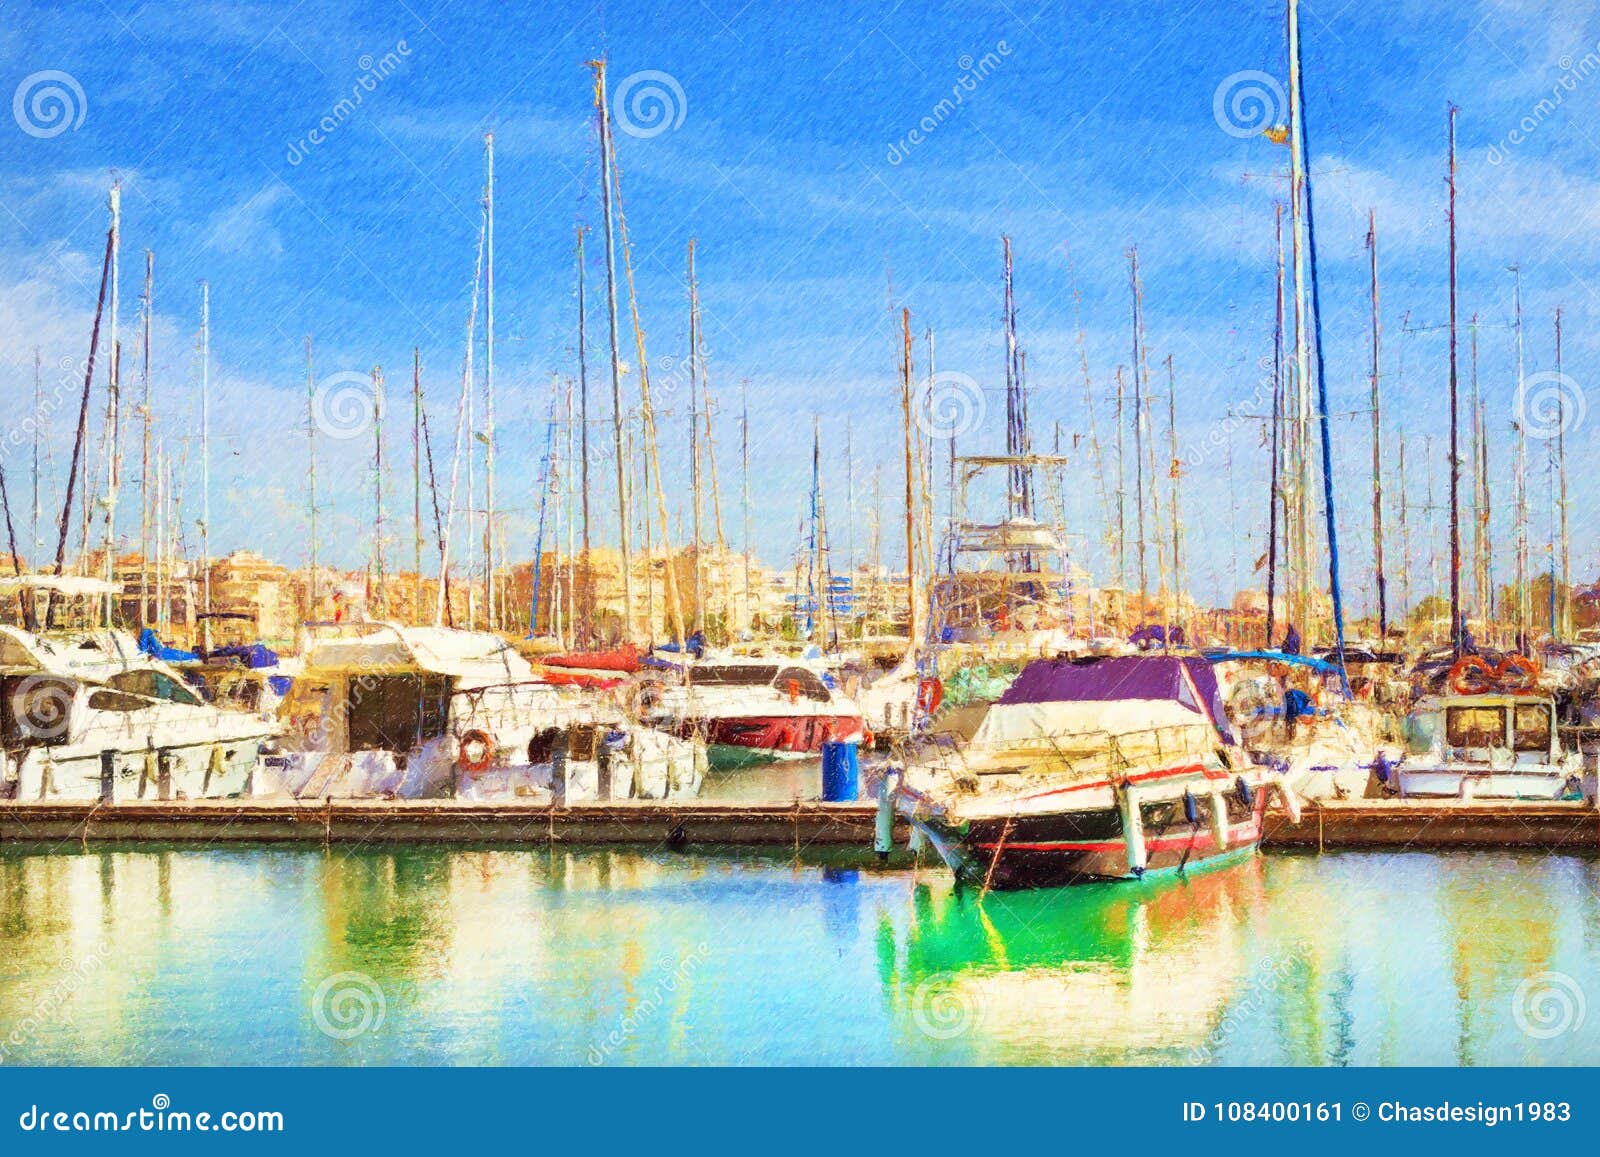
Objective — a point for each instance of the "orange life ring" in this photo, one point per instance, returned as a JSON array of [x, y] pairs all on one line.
[[1472, 675], [468, 762], [1517, 673], [930, 693]]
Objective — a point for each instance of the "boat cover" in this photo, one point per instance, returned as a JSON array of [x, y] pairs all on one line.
[[1185, 679], [150, 644]]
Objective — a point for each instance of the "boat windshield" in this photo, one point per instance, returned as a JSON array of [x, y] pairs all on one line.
[[153, 685], [1475, 726], [1532, 727]]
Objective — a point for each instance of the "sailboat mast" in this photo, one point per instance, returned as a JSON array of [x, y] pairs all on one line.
[[113, 401], [1563, 624], [1122, 483], [1457, 630], [205, 452], [698, 617], [1276, 440], [586, 611], [1315, 303], [1377, 433], [416, 480], [1520, 488], [1177, 517], [492, 607], [600, 101], [913, 631], [744, 486], [377, 599], [311, 481], [1138, 434], [144, 452]]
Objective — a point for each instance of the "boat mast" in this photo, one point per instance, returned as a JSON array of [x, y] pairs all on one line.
[[1457, 629], [1377, 433], [311, 480], [913, 631], [1520, 487], [1177, 518], [377, 599], [1276, 439], [491, 605], [599, 67], [698, 616], [1480, 573], [584, 609], [205, 452], [1138, 435], [1122, 486], [416, 480], [113, 402], [1565, 618], [1322, 381], [144, 453], [744, 485], [38, 422]]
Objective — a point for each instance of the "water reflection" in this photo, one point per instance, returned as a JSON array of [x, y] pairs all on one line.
[[564, 956]]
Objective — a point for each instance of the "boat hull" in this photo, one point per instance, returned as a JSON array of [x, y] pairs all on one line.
[[1088, 846], [744, 741]]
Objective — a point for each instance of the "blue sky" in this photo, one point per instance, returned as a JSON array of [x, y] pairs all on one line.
[[1091, 128]]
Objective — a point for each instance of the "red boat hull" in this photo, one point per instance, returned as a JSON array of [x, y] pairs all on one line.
[[775, 736]]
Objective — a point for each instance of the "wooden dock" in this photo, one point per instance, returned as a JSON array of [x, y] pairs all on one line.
[[1432, 824], [1377, 824], [442, 821]]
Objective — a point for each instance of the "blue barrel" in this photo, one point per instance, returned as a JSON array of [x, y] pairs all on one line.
[[841, 772]]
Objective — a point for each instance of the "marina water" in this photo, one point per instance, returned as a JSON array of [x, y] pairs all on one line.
[[417, 955]]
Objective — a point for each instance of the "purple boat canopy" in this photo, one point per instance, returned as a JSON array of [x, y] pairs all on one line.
[[1186, 679]]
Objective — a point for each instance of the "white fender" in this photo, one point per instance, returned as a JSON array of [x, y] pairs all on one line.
[[1219, 818], [1133, 829]]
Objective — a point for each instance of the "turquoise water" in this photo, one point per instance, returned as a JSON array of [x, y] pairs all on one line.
[[418, 955]]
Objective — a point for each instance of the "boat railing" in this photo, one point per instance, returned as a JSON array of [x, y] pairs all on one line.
[[1119, 751]]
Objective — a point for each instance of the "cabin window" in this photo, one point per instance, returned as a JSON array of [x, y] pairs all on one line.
[[805, 683], [153, 685], [1475, 726], [118, 701], [1532, 728], [395, 712], [35, 710], [734, 675]]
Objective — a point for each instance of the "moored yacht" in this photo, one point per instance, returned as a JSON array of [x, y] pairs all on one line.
[[383, 710], [1095, 769], [1494, 745]]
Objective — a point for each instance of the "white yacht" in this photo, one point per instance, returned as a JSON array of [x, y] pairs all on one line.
[[1497, 745], [382, 710], [84, 715]]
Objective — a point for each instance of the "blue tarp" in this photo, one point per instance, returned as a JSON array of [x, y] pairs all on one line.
[[150, 645], [252, 655]]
